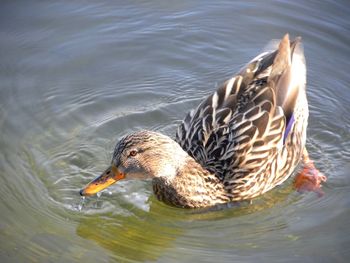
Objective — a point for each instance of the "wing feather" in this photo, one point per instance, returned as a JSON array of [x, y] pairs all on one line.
[[237, 130]]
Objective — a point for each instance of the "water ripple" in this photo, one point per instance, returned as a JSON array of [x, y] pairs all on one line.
[[75, 78]]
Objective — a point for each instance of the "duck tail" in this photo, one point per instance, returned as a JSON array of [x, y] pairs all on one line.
[[282, 59], [288, 74]]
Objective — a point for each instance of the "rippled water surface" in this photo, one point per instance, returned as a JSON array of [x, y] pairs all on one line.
[[77, 75]]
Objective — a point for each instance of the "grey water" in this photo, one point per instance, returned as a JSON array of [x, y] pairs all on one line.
[[77, 75]]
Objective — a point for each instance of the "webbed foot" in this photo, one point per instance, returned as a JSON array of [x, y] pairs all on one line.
[[310, 178]]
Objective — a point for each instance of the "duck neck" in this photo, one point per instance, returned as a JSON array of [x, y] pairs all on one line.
[[191, 187]]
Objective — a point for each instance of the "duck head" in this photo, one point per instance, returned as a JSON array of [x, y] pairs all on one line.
[[140, 155]]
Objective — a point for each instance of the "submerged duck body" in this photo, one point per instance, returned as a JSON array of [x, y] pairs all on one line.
[[240, 142]]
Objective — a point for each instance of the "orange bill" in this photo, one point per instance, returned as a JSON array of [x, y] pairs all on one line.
[[109, 177]]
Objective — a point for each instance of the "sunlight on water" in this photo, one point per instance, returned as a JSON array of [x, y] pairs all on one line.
[[76, 76]]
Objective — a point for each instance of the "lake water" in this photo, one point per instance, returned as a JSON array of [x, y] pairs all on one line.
[[77, 75]]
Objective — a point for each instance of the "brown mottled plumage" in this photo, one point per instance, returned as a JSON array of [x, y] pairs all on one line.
[[241, 141]]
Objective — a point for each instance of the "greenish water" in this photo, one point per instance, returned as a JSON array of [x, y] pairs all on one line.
[[75, 76]]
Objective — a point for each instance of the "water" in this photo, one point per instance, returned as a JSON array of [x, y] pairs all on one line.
[[74, 77]]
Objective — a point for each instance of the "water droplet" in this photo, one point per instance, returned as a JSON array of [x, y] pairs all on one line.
[[81, 204]]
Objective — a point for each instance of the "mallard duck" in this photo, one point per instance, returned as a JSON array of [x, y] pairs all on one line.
[[240, 142]]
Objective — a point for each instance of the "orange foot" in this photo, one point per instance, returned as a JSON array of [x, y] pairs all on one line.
[[310, 179]]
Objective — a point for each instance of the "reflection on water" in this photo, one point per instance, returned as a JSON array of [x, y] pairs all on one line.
[[75, 77], [139, 237], [147, 234]]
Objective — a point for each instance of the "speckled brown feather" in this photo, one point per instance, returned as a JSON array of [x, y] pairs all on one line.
[[237, 133]]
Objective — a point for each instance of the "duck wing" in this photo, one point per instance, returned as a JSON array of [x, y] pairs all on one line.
[[240, 128]]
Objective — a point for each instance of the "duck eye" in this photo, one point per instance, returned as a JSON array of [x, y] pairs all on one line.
[[133, 153]]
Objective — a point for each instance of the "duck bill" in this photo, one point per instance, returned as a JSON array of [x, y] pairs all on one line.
[[107, 178]]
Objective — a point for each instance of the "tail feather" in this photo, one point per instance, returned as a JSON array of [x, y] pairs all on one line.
[[288, 74], [282, 59]]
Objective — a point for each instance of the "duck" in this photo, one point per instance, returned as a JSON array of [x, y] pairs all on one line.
[[243, 140]]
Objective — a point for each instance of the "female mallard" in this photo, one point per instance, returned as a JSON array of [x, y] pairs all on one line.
[[239, 143]]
